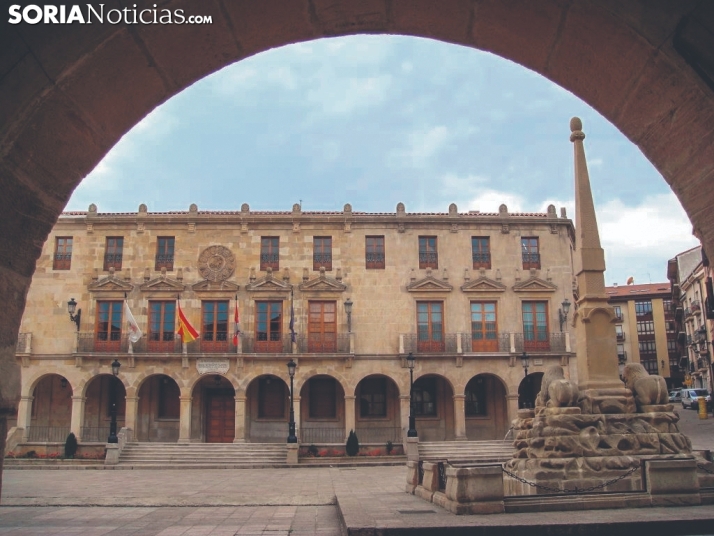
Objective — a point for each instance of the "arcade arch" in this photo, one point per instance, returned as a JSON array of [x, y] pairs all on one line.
[[267, 406], [158, 409], [486, 408], [213, 410]]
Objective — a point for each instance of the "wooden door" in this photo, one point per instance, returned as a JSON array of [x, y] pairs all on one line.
[[220, 416]]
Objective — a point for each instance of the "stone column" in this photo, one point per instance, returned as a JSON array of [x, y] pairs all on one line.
[[185, 419], [77, 418], [349, 415], [24, 415], [132, 408], [404, 414], [594, 328], [460, 417], [298, 416], [240, 419]]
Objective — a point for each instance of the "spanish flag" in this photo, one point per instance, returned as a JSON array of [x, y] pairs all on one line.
[[185, 329]]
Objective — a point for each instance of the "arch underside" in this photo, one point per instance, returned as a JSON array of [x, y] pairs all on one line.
[[69, 92]]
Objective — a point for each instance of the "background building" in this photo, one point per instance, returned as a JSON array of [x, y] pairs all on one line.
[[466, 293], [646, 331]]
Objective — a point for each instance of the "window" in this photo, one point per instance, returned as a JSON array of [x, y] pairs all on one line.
[[430, 327], [113, 252], [530, 253], [373, 397], [323, 403], [269, 326], [619, 333], [271, 398], [424, 397], [169, 399], [63, 253], [621, 355], [535, 326], [618, 312], [214, 326], [476, 398], [484, 332], [643, 307], [481, 252], [162, 324], [322, 327], [108, 327], [269, 253], [428, 256], [374, 252], [645, 327], [322, 253], [165, 253]]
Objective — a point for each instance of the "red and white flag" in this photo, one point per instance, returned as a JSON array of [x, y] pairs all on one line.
[[236, 321], [185, 329]]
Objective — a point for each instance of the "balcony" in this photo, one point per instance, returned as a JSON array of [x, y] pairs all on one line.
[[481, 260], [112, 261], [24, 343], [618, 317], [224, 345], [277, 343], [269, 260], [540, 342], [320, 260], [165, 261], [334, 343], [428, 260], [695, 307], [498, 342], [442, 343], [102, 342], [374, 260], [622, 357], [62, 261], [620, 335], [688, 314], [531, 260]]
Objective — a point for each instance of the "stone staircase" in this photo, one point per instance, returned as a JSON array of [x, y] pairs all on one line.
[[202, 455], [467, 451]]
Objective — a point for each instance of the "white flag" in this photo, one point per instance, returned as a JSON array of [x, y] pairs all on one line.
[[134, 331]]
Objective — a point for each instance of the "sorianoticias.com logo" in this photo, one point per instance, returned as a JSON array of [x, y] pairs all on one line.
[[99, 14]]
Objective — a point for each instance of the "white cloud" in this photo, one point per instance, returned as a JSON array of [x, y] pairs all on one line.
[[422, 145], [341, 97], [453, 186], [490, 200]]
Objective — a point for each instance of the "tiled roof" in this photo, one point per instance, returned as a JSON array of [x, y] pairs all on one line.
[[629, 291]]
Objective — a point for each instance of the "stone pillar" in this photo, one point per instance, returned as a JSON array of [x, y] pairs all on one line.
[[404, 414], [460, 417], [349, 415], [596, 346], [298, 416], [240, 419], [185, 419], [24, 415], [77, 418], [132, 408], [512, 403]]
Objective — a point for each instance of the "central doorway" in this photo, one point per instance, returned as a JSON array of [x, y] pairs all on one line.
[[220, 416]]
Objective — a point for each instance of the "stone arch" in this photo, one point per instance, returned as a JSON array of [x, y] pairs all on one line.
[[377, 411], [213, 404], [528, 390], [322, 409], [433, 399], [38, 376], [139, 380], [267, 406], [486, 407], [193, 382], [301, 380], [98, 391], [158, 407], [50, 411]]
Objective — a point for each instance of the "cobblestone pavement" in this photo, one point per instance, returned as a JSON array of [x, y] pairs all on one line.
[[276, 502]]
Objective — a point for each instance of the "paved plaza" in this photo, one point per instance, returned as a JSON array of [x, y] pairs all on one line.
[[292, 501]]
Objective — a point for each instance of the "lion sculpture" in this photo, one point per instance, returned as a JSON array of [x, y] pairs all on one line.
[[556, 391], [647, 389]]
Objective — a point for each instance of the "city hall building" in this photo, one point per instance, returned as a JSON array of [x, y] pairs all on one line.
[[347, 295]]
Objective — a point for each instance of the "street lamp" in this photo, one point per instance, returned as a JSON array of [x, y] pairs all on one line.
[[348, 310], [71, 308], [113, 394], [524, 362], [412, 420], [292, 438], [563, 313]]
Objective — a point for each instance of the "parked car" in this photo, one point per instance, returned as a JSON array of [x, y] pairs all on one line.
[[690, 397], [675, 395]]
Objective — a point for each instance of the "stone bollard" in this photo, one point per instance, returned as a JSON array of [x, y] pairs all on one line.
[[673, 482], [430, 483], [112, 457], [472, 490], [292, 454], [412, 447], [412, 477]]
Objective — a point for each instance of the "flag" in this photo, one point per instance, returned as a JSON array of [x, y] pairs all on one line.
[[134, 331], [236, 329], [185, 329], [292, 320]]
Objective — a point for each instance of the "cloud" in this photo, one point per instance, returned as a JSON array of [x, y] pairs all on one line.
[[422, 145], [345, 96]]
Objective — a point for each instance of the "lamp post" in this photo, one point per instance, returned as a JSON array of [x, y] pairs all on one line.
[[292, 438], [348, 311], [113, 394], [71, 308], [524, 362], [412, 420], [563, 312]]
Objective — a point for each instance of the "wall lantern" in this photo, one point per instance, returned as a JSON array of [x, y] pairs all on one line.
[[563, 312], [71, 308]]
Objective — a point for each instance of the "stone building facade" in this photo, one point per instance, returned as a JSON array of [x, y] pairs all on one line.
[[645, 329], [348, 295]]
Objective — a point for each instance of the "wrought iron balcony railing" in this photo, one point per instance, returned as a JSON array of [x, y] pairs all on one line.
[[620, 336], [224, 345], [428, 260], [531, 260], [496, 342], [695, 307], [47, 434], [374, 260], [437, 344], [269, 260], [165, 261], [276, 343], [540, 342], [102, 342], [62, 261], [112, 261], [481, 259], [335, 343]]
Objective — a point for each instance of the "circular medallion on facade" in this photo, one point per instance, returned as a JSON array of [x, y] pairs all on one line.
[[216, 263]]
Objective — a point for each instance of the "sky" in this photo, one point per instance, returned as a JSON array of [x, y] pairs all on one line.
[[377, 120]]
